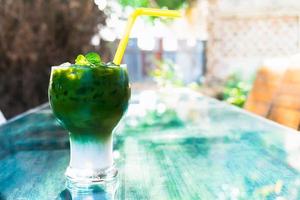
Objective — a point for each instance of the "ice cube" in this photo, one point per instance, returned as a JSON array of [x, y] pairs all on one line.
[[66, 64]]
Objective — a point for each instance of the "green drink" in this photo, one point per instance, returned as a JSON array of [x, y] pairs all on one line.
[[89, 99]]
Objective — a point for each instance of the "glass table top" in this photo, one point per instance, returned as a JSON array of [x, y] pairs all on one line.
[[172, 144]]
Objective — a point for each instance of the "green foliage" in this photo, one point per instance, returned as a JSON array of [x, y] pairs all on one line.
[[168, 4], [91, 59], [173, 4], [154, 118], [166, 74], [81, 60], [165, 119], [135, 3], [236, 90]]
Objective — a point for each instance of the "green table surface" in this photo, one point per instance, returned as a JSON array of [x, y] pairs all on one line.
[[172, 144]]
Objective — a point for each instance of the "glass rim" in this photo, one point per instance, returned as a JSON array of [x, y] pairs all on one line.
[[64, 67]]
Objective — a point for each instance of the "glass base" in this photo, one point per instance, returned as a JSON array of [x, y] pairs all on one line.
[[89, 180]]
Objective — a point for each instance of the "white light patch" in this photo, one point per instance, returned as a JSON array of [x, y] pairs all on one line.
[[191, 42], [107, 34], [95, 41], [146, 43], [101, 4], [161, 108], [170, 44]]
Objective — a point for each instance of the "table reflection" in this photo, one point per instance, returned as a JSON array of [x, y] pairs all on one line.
[[96, 193]]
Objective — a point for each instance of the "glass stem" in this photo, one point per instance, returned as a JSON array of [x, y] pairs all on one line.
[[93, 154]]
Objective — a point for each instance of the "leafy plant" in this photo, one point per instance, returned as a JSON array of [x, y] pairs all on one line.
[[174, 4], [91, 59], [154, 118], [236, 90], [166, 74]]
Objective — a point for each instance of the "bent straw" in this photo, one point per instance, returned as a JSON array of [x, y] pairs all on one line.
[[138, 12]]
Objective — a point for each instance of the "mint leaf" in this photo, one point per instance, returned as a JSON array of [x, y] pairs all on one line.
[[93, 58], [81, 60]]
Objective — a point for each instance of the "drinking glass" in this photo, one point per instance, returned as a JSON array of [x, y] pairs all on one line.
[[89, 102]]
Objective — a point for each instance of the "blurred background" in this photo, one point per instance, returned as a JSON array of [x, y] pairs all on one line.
[[241, 52]]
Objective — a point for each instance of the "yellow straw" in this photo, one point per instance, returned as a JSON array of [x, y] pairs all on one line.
[[140, 11]]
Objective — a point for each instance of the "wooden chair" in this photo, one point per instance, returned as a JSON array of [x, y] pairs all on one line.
[[285, 106], [265, 86]]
